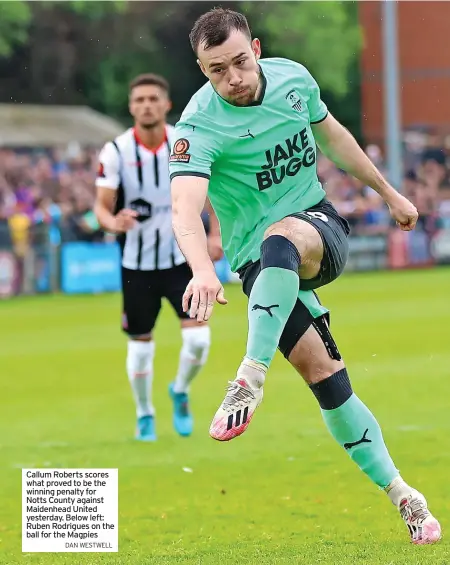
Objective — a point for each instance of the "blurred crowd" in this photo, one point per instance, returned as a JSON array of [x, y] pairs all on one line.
[[426, 182], [51, 189], [54, 189]]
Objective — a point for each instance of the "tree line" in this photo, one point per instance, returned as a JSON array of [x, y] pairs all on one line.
[[85, 52]]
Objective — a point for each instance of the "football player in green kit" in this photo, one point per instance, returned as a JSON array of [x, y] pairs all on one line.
[[247, 139]]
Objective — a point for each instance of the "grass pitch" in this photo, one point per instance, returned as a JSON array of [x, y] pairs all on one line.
[[284, 492]]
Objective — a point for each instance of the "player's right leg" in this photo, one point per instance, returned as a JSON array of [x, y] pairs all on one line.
[[141, 306], [351, 423]]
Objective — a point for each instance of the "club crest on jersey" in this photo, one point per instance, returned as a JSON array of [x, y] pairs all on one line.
[[180, 151], [143, 209], [294, 100]]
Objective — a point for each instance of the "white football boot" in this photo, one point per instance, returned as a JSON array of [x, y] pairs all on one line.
[[236, 411], [422, 525]]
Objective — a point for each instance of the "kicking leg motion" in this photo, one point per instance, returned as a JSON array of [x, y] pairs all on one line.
[[356, 429], [278, 319], [271, 301]]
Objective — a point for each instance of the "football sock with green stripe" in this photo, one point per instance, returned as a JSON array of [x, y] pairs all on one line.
[[355, 428], [272, 298]]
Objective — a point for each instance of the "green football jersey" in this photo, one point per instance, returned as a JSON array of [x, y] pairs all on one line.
[[260, 159]]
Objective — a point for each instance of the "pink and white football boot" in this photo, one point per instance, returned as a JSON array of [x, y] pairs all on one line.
[[236, 411], [422, 525]]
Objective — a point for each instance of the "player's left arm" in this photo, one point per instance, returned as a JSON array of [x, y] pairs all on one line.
[[339, 145]]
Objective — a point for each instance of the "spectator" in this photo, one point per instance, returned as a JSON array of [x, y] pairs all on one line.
[[55, 188], [83, 220]]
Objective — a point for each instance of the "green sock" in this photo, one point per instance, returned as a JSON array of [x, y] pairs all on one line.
[[271, 302], [355, 428]]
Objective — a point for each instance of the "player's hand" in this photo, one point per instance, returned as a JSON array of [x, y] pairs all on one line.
[[204, 289], [125, 220], [403, 212], [215, 249]]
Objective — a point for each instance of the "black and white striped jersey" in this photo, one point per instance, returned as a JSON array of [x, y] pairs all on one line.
[[141, 177]]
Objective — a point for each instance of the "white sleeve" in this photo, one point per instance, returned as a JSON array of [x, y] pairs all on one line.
[[108, 173]]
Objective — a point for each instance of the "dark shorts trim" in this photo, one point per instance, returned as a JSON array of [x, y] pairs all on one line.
[[334, 231], [142, 294]]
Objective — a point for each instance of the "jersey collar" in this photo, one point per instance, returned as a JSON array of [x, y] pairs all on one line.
[[154, 150]]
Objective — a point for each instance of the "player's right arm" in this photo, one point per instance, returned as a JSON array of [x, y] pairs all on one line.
[[190, 169], [188, 200], [107, 183]]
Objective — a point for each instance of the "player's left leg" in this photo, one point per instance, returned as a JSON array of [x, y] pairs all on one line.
[[356, 429], [196, 339]]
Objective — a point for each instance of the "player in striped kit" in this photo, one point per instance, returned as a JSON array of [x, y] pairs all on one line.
[[134, 201]]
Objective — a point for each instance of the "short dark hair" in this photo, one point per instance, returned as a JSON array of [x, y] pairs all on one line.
[[149, 79], [214, 28]]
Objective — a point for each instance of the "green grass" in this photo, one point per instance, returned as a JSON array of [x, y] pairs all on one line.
[[283, 493]]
